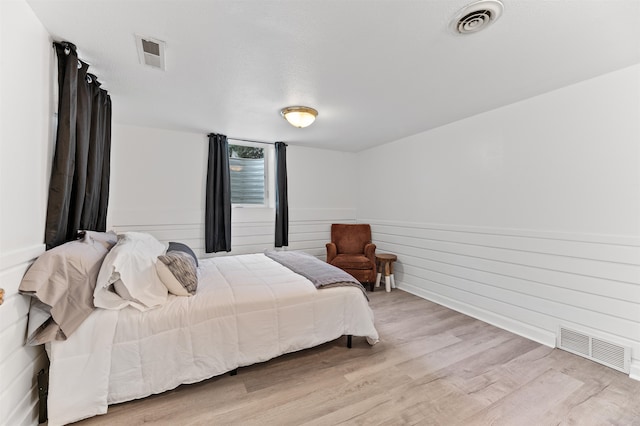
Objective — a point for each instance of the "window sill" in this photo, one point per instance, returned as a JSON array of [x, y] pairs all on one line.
[[250, 206]]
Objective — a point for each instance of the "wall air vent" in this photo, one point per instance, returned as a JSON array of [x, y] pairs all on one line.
[[477, 16], [598, 350], [151, 51]]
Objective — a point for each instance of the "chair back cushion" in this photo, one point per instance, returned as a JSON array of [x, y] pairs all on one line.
[[350, 238]]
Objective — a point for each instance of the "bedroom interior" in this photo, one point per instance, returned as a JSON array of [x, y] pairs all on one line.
[[501, 167]]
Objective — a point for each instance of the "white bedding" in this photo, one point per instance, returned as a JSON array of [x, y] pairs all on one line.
[[247, 309]]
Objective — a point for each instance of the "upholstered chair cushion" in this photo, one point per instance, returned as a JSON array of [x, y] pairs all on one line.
[[352, 261]]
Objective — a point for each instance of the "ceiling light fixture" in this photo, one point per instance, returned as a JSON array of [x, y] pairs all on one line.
[[299, 116]]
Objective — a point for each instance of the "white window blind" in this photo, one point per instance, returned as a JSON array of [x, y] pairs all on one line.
[[247, 175]]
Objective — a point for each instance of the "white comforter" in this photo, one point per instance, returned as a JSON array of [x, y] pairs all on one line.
[[247, 309]]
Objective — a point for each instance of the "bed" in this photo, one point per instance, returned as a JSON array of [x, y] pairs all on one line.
[[247, 309]]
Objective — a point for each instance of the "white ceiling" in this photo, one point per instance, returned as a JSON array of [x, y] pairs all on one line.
[[375, 70]]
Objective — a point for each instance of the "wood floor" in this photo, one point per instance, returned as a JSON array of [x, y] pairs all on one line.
[[433, 366]]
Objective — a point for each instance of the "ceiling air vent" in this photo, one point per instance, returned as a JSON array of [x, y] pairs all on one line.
[[477, 16], [151, 51]]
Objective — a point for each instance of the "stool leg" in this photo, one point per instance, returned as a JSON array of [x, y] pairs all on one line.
[[387, 278], [393, 281], [378, 278]]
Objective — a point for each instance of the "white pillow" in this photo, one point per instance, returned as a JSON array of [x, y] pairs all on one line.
[[126, 297], [170, 281], [132, 261]]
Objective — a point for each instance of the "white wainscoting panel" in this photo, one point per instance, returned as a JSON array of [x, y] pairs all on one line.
[[252, 230], [525, 282], [19, 364]]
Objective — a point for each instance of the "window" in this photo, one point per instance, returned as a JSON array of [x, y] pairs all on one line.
[[249, 172]]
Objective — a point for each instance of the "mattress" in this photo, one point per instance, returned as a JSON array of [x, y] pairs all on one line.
[[247, 309]]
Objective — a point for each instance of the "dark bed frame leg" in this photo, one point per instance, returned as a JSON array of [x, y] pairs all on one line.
[[349, 341], [43, 391], [233, 372]]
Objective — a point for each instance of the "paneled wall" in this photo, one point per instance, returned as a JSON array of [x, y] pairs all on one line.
[[527, 216], [25, 149], [158, 181], [309, 230], [19, 364], [525, 282]]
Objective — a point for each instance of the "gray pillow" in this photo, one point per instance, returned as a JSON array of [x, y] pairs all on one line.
[[62, 281], [173, 246], [178, 273]]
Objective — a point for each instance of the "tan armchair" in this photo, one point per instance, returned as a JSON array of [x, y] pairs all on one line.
[[351, 250]]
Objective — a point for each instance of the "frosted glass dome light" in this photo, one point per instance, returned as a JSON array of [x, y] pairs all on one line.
[[299, 116]]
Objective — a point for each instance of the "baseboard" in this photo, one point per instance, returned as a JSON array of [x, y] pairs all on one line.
[[635, 369], [527, 331]]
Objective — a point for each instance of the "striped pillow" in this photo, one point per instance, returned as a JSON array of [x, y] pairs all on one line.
[[173, 246], [177, 271]]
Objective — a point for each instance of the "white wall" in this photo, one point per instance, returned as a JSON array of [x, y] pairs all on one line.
[[158, 181], [322, 186], [527, 216], [25, 148]]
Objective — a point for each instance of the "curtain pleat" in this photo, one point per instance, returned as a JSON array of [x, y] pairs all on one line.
[[103, 199], [83, 143], [217, 225], [65, 152], [282, 198], [97, 157], [83, 129]]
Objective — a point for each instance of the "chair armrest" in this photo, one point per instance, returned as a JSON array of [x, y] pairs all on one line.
[[332, 252], [370, 252]]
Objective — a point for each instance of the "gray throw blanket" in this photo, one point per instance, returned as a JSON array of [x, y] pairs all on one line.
[[321, 274]]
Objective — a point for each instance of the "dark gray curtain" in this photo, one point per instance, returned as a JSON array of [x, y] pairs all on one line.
[[217, 223], [79, 186], [282, 199]]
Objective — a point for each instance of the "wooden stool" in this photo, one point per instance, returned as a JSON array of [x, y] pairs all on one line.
[[385, 260]]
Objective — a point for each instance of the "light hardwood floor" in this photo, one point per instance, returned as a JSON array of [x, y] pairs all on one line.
[[433, 366]]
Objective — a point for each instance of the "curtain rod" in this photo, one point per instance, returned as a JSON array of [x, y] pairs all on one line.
[[251, 140]]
